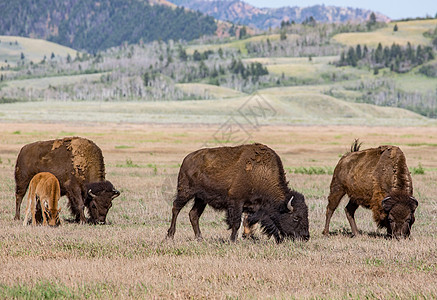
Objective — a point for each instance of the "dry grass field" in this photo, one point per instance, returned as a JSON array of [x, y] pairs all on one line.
[[11, 48], [409, 31], [130, 258]]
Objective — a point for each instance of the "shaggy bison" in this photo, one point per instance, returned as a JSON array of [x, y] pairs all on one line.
[[42, 201], [247, 178], [378, 179], [78, 165]]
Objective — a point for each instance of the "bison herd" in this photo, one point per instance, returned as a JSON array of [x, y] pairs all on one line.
[[246, 179]]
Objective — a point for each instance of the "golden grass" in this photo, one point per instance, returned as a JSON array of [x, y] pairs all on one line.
[[238, 44], [202, 90], [292, 105], [409, 31], [300, 67], [131, 259], [33, 49], [45, 82]]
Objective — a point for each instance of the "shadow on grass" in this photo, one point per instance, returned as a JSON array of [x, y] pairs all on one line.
[[348, 233]]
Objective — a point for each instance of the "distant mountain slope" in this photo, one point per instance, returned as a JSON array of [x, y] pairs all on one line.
[[263, 18], [97, 25]]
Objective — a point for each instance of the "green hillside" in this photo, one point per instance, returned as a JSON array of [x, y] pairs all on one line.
[[301, 70], [93, 26]]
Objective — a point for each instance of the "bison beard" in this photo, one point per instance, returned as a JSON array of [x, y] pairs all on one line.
[[247, 178]]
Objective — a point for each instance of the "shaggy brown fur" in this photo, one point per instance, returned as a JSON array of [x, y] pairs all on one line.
[[75, 162], [368, 177], [44, 193], [247, 178]]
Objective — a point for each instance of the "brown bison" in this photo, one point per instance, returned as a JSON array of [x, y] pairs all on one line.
[[42, 200], [247, 178], [378, 179], [78, 165]]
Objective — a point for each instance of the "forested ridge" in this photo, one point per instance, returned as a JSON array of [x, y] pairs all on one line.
[[98, 25]]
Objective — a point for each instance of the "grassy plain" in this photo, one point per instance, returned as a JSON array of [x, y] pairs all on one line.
[[131, 259], [208, 90], [11, 48], [237, 44], [304, 105], [410, 31]]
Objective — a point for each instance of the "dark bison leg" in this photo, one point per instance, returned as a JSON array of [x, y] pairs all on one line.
[[195, 214], [350, 209], [336, 193], [77, 206], [20, 191], [178, 204], [234, 220]]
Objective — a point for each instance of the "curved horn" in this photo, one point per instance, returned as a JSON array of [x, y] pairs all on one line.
[[386, 198], [116, 193], [91, 193], [290, 208]]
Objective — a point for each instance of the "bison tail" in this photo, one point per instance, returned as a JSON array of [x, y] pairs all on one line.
[[355, 147]]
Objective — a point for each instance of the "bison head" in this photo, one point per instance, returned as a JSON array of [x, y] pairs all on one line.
[[52, 215], [288, 219], [99, 200], [400, 208]]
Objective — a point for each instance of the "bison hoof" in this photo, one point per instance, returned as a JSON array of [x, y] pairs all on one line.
[[325, 232]]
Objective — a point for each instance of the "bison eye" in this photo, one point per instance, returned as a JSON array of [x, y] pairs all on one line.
[[93, 205], [296, 219]]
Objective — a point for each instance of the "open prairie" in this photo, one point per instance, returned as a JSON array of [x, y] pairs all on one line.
[[130, 258], [409, 31], [34, 49]]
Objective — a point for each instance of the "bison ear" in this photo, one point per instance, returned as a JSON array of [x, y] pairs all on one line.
[[387, 204], [414, 203], [290, 208]]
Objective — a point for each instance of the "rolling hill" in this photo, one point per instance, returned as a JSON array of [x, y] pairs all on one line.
[[11, 48]]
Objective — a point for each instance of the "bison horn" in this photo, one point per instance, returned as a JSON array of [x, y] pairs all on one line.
[[91, 193], [290, 208], [116, 193]]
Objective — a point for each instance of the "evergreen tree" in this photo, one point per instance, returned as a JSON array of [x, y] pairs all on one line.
[[197, 56], [358, 52], [283, 35], [395, 28], [351, 57]]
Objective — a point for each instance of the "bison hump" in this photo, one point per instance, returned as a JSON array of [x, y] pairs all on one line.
[[87, 159]]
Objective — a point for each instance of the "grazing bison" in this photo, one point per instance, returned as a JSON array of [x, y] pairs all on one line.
[[247, 178], [78, 165], [378, 179], [42, 200]]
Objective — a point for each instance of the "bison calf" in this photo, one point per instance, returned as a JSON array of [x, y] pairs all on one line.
[[42, 200], [247, 178], [378, 179]]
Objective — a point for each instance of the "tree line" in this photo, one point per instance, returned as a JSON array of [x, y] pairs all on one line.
[[398, 58]]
